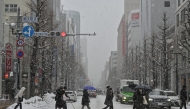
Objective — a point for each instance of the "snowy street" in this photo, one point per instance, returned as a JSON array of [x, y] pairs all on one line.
[[96, 103]]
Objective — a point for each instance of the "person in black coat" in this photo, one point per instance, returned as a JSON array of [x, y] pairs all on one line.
[[183, 97], [109, 98], [85, 99], [138, 99], [59, 97]]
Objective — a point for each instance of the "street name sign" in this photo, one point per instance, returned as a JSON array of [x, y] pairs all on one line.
[[28, 31], [29, 19], [41, 34]]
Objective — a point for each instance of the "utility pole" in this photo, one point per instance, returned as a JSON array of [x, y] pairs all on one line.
[[145, 63], [18, 59]]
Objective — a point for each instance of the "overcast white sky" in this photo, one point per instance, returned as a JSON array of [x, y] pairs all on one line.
[[102, 17]]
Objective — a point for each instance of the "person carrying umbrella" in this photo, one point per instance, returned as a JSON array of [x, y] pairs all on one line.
[[138, 98], [85, 99]]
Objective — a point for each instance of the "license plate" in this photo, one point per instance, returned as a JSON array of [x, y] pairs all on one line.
[[160, 103], [130, 100]]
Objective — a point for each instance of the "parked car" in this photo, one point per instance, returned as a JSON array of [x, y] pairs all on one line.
[[80, 92], [158, 98], [92, 93], [72, 95], [174, 98]]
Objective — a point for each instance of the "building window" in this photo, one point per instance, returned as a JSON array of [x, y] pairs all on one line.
[[179, 3], [182, 15], [10, 8], [167, 3], [177, 20]]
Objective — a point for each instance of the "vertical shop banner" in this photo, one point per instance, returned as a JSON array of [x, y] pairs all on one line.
[[135, 19], [8, 58]]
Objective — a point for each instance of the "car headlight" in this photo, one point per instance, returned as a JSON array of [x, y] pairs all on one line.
[[124, 97], [168, 99], [150, 99]]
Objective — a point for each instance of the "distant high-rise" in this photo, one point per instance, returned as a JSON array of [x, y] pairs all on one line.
[[75, 15], [84, 54]]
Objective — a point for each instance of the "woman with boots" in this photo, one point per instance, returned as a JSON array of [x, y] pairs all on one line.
[[85, 99]]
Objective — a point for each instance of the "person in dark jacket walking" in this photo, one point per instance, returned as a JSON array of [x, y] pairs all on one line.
[[183, 97], [59, 97], [85, 99], [19, 98], [109, 98], [138, 99]]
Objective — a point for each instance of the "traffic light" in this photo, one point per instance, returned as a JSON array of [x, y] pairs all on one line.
[[56, 33], [63, 34], [6, 75]]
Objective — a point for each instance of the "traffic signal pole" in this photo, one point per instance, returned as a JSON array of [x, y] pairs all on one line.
[[18, 59]]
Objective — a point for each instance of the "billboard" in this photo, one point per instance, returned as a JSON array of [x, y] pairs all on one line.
[[135, 19], [8, 58]]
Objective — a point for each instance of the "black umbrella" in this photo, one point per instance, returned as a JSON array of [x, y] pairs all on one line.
[[144, 87]]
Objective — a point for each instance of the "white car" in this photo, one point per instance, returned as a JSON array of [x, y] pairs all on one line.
[[174, 98], [72, 95], [80, 92]]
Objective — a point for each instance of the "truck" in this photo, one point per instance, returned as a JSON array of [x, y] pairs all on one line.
[[127, 90]]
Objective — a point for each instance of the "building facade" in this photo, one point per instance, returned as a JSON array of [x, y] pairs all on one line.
[[183, 56]]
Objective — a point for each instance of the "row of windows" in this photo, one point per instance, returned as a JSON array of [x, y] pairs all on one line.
[[182, 17], [179, 2], [10, 8]]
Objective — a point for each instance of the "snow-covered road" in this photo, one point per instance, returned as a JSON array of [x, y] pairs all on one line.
[[49, 103]]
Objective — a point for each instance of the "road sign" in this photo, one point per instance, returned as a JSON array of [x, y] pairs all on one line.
[[20, 54], [41, 34], [29, 19], [28, 31], [20, 42]]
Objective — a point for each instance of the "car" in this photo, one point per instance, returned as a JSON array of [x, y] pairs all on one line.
[[72, 95], [174, 98], [92, 93], [158, 98], [80, 92]]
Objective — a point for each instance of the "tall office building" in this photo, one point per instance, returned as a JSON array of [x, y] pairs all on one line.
[[84, 54], [75, 15]]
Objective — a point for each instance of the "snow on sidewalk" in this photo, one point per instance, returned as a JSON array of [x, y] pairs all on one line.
[[35, 102]]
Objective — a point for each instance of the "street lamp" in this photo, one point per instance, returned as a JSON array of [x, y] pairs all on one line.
[[176, 56]]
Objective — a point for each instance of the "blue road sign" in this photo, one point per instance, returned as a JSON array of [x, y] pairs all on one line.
[[20, 54], [28, 31]]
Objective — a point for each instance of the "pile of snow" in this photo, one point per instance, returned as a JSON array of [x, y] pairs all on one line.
[[36, 102]]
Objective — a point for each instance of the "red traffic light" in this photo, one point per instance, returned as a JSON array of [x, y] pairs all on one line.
[[63, 34], [6, 75]]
